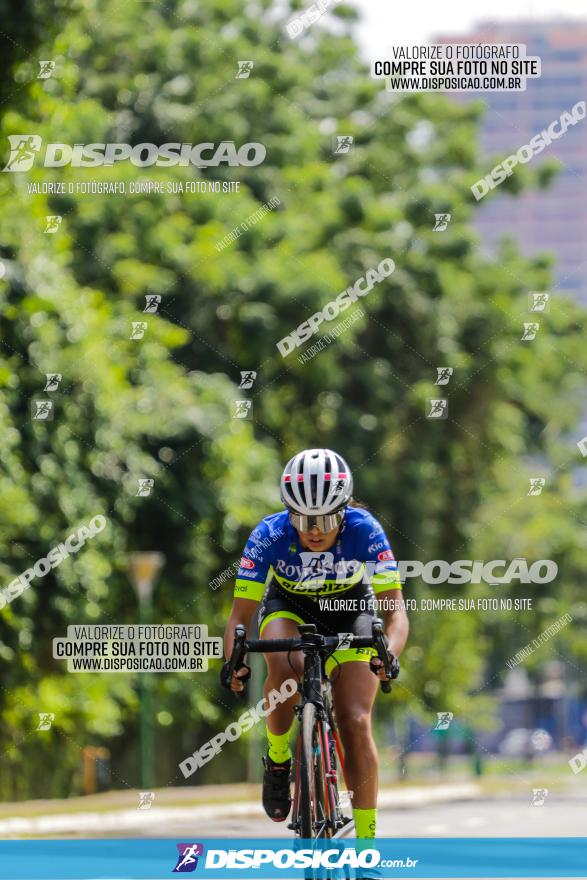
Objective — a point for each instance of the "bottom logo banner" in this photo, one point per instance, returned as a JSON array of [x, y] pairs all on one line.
[[271, 858]]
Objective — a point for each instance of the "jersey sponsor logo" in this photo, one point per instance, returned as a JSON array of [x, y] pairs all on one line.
[[253, 553], [373, 547], [374, 533], [287, 569], [316, 567], [325, 589], [385, 554], [247, 563]]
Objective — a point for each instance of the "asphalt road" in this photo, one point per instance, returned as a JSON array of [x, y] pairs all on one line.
[[562, 816]]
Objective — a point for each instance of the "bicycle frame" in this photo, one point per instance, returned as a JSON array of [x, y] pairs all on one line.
[[311, 689], [315, 690]]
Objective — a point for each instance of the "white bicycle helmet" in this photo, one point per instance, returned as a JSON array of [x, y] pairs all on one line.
[[316, 484]]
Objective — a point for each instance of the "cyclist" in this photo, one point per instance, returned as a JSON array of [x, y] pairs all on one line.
[[325, 561]]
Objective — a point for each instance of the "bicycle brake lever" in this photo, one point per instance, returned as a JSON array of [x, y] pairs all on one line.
[[238, 652], [381, 647]]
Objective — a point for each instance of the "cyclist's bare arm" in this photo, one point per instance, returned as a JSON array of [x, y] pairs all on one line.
[[395, 620], [242, 612]]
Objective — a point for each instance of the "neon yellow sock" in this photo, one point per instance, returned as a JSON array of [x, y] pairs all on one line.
[[279, 750], [365, 822]]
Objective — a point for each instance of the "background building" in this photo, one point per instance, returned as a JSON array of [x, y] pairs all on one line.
[[554, 220]]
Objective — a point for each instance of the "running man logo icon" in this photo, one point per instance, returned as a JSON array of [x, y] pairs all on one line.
[[244, 69], [343, 143], [23, 149], [530, 331], [144, 489], [46, 719], [536, 485], [52, 223], [538, 302], [187, 860], [444, 374], [247, 379], [243, 409], [438, 409], [314, 567], [42, 410], [152, 303], [441, 222], [138, 329], [46, 69], [539, 796], [444, 719], [579, 761], [146, 798], [53, 380]]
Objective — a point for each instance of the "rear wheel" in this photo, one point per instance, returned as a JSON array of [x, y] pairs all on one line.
[[313, 811]]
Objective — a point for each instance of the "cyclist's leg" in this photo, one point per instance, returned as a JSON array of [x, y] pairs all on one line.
[[276, 789], [279, 669], [354, 688]]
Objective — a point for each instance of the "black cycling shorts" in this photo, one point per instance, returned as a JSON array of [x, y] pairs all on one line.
[[353, 612]]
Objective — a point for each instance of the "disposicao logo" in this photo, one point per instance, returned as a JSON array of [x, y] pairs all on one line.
[[327, 859], [187, 860], [24, 149]]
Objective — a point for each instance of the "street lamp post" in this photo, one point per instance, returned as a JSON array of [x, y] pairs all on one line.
[[143, 569]]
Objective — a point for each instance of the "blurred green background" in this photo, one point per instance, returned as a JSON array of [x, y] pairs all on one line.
[[163, 407]]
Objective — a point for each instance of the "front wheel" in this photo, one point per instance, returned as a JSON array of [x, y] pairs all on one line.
[[313, 811]]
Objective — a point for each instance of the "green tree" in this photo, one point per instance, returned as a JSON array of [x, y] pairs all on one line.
[[161, 407]]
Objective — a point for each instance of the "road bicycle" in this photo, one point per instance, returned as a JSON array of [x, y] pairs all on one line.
[[317, 807]]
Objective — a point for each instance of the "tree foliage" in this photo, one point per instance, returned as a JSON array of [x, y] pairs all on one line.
[[162, 407]]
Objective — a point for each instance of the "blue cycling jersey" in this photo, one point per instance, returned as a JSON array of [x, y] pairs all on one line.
[[274, 555]]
